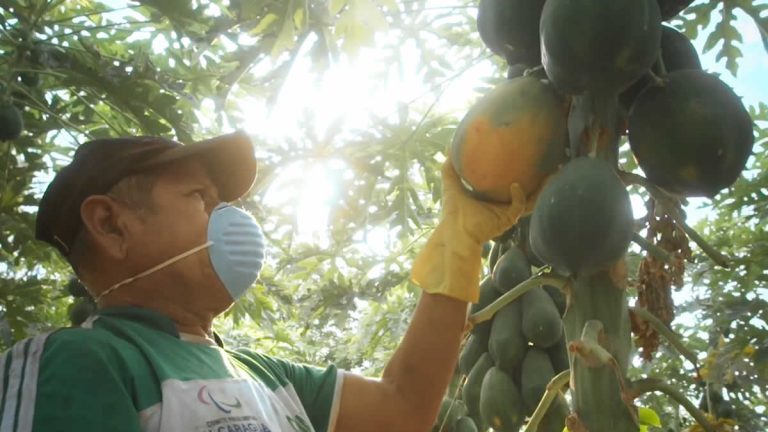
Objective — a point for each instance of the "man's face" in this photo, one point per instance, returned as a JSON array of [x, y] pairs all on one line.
[[177, 221]]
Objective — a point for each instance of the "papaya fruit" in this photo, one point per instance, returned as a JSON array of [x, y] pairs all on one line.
[[11, 121], [692, 135], [511, 269], [476, 345], [471, 392], [677, 53], [554, 418], [582, 221], [514, 134], [542, 323], [557, 297], [558, 355], [450, 411], [524, 241], [506, 344], [488, 294], [465, 424], [601, 47], [501, 405], [537, 371], [510, 28]]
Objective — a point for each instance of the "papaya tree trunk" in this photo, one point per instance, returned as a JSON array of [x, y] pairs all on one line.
[[597, 386]]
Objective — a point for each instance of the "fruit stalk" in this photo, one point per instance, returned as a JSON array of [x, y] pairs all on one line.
[[535, 281]]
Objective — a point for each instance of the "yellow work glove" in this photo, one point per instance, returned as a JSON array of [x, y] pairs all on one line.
[[450, 263]]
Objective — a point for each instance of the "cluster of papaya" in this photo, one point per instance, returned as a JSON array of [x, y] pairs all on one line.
[[688, 131], [582, 75], [508, 361]]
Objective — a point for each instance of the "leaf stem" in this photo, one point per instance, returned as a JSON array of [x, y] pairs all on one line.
[[672, 207], [534, 281], [668, 334], [647, 385], [652, 248], [553, 389]]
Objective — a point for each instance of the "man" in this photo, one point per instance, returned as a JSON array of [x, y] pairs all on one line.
[[144, 224]]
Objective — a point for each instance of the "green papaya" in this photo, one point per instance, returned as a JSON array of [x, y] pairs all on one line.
[[472, 389], [501, 405], [558, 355], [465, 424], [542, 323], [554, 418], [476, 345], [677, 53], [11, 122], [488, 294], [692, 135], [510, 28], [511, 269], [507, 344], [558, 297], [601, 47], [536, 373], [582, 221], [450, 411]]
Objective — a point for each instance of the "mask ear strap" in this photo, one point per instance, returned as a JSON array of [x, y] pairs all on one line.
[[154, 269]]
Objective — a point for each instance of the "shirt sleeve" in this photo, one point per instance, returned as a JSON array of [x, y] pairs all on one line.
[[53, 383], [318, 389]]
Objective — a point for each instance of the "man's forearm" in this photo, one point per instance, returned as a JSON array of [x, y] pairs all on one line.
[[423, 364]]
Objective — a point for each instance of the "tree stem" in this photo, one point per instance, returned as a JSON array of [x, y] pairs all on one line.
[[533, 282], [553, 389], [647, 385]]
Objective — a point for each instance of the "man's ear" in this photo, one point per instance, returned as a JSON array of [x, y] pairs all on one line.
[[103, 218]]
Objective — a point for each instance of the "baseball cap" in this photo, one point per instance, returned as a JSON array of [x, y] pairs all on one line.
[[100, 164]]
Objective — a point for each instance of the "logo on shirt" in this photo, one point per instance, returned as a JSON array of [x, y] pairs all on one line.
[[204, 395]]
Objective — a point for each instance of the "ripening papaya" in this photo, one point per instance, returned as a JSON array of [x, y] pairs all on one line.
[[511, 269], [476, 345], [465, 424], [501, 405], [582, 221], [510, 28], [692, 135], [11, 121], [514, 134], [542, 323], [537, 371], [677, 53], [507, 345], [472, 389], [601, 47]]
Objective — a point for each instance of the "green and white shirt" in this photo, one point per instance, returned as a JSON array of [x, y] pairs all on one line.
[[128, 369]]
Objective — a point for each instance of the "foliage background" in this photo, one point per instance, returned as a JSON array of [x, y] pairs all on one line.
[[191, 69]]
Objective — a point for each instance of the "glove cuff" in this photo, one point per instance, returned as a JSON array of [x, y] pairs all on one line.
[[441, 269]]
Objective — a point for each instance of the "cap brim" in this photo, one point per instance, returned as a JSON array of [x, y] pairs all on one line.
[[230, 160]]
